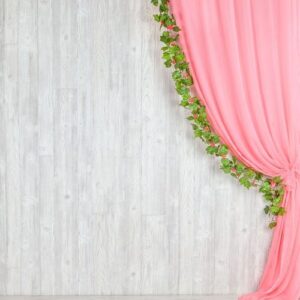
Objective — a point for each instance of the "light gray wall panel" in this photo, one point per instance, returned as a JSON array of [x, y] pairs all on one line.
[[103, 189]]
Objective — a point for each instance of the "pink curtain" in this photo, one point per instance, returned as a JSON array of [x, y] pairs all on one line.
[[245, 60]]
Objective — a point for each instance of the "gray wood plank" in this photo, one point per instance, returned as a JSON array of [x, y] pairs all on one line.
[[65, 145], [13, 160], [45, 146], [3, 121], [29, 171], [86, 244], [102, 188]]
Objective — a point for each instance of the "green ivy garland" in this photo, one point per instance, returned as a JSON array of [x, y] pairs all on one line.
[[271, 188]]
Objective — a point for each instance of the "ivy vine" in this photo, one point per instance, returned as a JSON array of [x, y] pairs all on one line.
[[173, 56]]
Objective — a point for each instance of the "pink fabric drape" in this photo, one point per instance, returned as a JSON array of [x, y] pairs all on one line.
[[245, 59]]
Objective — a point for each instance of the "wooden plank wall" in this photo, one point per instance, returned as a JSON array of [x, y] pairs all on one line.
[[103, 189]]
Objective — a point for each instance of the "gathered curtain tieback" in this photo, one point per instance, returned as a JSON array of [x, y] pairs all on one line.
[[291, 175]]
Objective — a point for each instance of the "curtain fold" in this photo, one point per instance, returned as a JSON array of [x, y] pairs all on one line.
[[245, 60]]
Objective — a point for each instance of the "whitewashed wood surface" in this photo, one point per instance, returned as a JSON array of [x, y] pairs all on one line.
[[103, 190], [185, 297]]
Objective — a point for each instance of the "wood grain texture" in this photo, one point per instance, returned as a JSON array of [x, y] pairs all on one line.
[[185, 297], [103, 190]]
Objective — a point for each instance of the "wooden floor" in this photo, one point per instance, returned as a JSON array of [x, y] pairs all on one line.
[[215, 297]]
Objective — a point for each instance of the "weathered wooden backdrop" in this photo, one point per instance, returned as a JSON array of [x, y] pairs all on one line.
[[103, 190]]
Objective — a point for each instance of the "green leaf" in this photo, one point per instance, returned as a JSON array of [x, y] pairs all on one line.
[[226, 165], [211, 150], [176, 75], [268, 196], [250, 173], [258, 176], [223, 150], [226, 170], [272, 225], [168, 63], [240, 167], [188, 81], [274, 209], [277, 200], [183, 66], [245, 182], [281, 211], [179, 57], [182, 91], [166, 56], [198, 132], [225, 162], [163, 8], [184, 103], [216, 140], [267, 209], [156, 18], [277, 179], [265, 187]]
